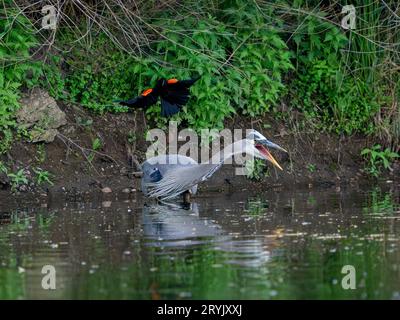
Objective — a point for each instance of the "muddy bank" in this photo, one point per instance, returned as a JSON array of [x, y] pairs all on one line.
[[313, 159]]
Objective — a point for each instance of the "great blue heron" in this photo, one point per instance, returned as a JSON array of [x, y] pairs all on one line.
[[168, 176]]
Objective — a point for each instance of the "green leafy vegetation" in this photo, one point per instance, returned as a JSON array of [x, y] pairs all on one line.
[[41, 153], [3, 168], [16, 67], [323, 90], [253, 58], [84, 122], [248, 81], [256, 169], [18, 179], [311, 167], [245, 61], [377, 158], [43, 176], [132, 137], [96, 145]]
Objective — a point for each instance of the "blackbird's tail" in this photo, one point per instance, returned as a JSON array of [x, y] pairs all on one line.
[[168, 109]]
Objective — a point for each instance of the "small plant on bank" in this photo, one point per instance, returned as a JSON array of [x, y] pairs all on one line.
[[377, 158], [311, 167], [3, 168], [255, 169], [43, 176], [132, 137], [41, 153], [84, 122], [18, 179], [96, 145]]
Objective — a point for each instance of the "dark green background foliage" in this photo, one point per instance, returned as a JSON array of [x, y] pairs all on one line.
[[323, 89], [16, 68], [241, 69], [251, 56]]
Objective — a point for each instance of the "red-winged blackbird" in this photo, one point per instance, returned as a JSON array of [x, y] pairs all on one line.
[[174, 94]]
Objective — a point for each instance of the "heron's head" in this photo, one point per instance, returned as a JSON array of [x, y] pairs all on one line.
[[262, 144]]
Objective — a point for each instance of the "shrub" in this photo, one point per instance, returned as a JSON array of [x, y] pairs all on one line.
[[16, 66], [324, 89], [377, 158], [240, 70]]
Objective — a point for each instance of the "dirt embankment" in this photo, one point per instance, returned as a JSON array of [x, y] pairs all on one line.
[[313, 159]]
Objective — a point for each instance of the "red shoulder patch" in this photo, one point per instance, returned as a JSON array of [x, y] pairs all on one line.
[[172, 81], [146, 92]]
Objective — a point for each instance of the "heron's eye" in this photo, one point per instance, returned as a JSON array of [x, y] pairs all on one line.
[[155, 169]]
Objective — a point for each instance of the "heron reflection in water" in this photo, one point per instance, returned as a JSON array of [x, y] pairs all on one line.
[[182, 227]]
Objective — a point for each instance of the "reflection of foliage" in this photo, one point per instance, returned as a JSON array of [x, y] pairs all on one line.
[[44, 221], [256, 206], [306, 270], [311, 200], [380, 203], [11, 281], [298, 266], [23, 221], [325, 260]]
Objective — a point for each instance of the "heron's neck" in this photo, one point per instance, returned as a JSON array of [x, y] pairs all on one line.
[[229, 151]]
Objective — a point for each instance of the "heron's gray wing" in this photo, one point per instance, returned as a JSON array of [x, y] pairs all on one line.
[[168, 160], [181, 179], [156, 167]]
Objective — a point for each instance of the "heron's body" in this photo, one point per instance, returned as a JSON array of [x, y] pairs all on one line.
[[155, 168]]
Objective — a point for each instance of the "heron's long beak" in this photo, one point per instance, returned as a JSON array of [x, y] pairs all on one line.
[[272, 145], [265, 144], [269, 156]]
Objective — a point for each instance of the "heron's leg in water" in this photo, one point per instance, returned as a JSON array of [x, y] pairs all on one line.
[[186, 197]]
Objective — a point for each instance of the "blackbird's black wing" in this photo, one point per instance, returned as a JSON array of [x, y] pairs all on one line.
[[176, 87], [186, 83], [141, 101], [168, 109], [175, 95]]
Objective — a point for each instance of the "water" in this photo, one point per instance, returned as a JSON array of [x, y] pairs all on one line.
[[274, 245]]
